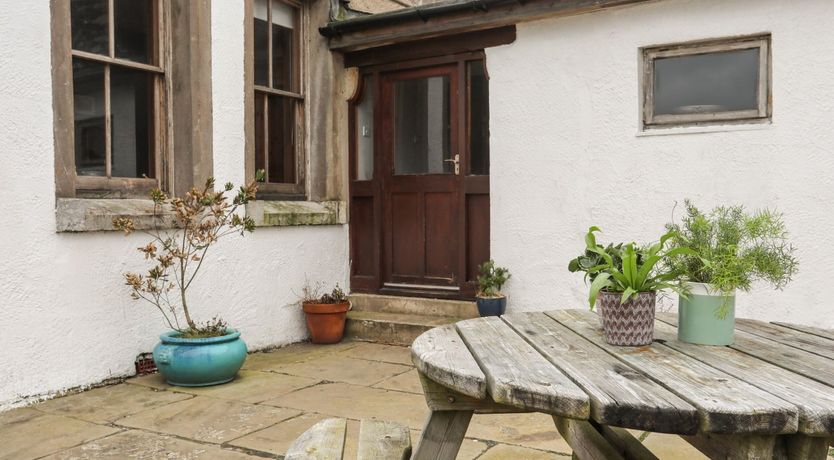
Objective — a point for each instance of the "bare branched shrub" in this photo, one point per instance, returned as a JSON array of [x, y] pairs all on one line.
[[203, 216]]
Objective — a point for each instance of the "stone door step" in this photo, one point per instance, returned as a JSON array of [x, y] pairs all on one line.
[[413, 305], [391, 328]]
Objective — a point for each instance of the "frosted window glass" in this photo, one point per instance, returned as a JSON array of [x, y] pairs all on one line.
[[705, 83], [365, 132]]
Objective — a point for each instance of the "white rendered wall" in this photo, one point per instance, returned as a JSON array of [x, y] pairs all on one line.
[[566, 154], [66, 319]]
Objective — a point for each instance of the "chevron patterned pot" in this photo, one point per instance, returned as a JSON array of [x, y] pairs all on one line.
[[630, 324]]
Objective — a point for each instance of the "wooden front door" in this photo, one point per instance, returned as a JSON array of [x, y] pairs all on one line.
[[419, 188], [421, 179]]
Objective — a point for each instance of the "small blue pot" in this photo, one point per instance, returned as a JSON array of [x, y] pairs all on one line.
[[199, 362], [491, 306]]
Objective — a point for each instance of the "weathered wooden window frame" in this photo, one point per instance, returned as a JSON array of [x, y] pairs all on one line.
[[273, 190], [67, 182], [761, 114]]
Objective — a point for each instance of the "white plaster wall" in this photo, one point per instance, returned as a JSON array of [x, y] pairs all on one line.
[[66, 319], [565, 152]]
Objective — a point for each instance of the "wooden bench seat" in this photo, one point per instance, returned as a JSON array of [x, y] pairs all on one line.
[[378, 440]]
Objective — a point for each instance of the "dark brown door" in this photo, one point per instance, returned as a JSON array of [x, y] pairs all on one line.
[[422, 157], [419, 169]]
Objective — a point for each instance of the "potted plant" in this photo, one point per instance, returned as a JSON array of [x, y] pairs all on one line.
[[325, 313], [730, 249], [191, 353], [625, 279], [489, 298]]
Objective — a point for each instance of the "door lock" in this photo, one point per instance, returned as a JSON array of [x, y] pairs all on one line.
[[456, 162]]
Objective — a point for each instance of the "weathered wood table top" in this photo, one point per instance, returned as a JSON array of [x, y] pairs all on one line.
[[775, 382]]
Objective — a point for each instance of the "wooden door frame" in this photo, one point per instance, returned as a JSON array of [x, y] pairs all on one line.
[[393, 183], [371, 281]]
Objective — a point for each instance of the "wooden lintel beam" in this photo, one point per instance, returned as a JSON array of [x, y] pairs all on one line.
[[466, 20]]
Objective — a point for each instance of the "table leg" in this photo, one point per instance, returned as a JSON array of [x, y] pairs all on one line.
[[442, 435], [585, 440], [805, 447]]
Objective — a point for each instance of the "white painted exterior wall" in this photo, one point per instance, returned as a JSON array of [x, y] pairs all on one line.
[[567, 152], [66, 319]]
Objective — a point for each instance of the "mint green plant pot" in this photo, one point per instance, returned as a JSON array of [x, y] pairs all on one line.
[[698, 319], [199, 362]]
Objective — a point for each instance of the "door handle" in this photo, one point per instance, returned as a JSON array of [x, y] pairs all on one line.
[[456, 162]]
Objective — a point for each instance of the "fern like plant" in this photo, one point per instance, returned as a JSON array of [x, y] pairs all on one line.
[[731, 248], [627, 268]]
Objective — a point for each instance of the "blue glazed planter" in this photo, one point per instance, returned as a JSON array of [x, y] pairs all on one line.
[[491, 306], [199, 362]]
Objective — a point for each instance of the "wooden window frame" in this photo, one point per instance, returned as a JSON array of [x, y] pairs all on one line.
[[761, 114], [274, 190], [68, 183]]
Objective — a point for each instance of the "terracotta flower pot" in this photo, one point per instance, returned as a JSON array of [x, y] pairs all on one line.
[[326, 321], [630, 324]]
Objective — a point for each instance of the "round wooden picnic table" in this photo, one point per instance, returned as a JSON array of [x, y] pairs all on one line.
[[768, 395]]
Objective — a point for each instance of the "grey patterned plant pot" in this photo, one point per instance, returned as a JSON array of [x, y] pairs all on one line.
[[630, 324]]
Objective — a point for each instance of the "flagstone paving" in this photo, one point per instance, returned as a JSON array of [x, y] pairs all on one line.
[[276, 397]]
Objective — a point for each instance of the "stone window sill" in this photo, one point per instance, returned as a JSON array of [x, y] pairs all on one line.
[[97, 214], [267, 213]]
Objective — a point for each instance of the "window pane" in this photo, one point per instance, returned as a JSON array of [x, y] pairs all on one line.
[[478, 118], [421, 119], [133, 29], [281, 140], [365, 132], [261, 43], [283, 23], [260, 156], [703, 83], [89, 26], [131, 114], [88, 102]]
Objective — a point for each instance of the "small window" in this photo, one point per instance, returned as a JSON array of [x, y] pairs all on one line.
[[364, 134], [116, 78], [708, 82], [278, 97], [478, 117]]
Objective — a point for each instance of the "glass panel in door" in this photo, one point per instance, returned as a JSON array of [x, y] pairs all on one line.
[[422, 126]]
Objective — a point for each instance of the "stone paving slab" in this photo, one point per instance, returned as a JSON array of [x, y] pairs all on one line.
[[277, 438], [357, 402], [506, 452], [275, 360], [344, 369], [408, 382], [671, 447], [144, 445], [379, 352], [529, 430], [147, 418], [248, 386], [27, 433], [207, 419], [106, 404]]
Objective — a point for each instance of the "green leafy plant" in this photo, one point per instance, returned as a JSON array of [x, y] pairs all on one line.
[[731, 248], [177, 252], [491, 279], [626, 268]]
